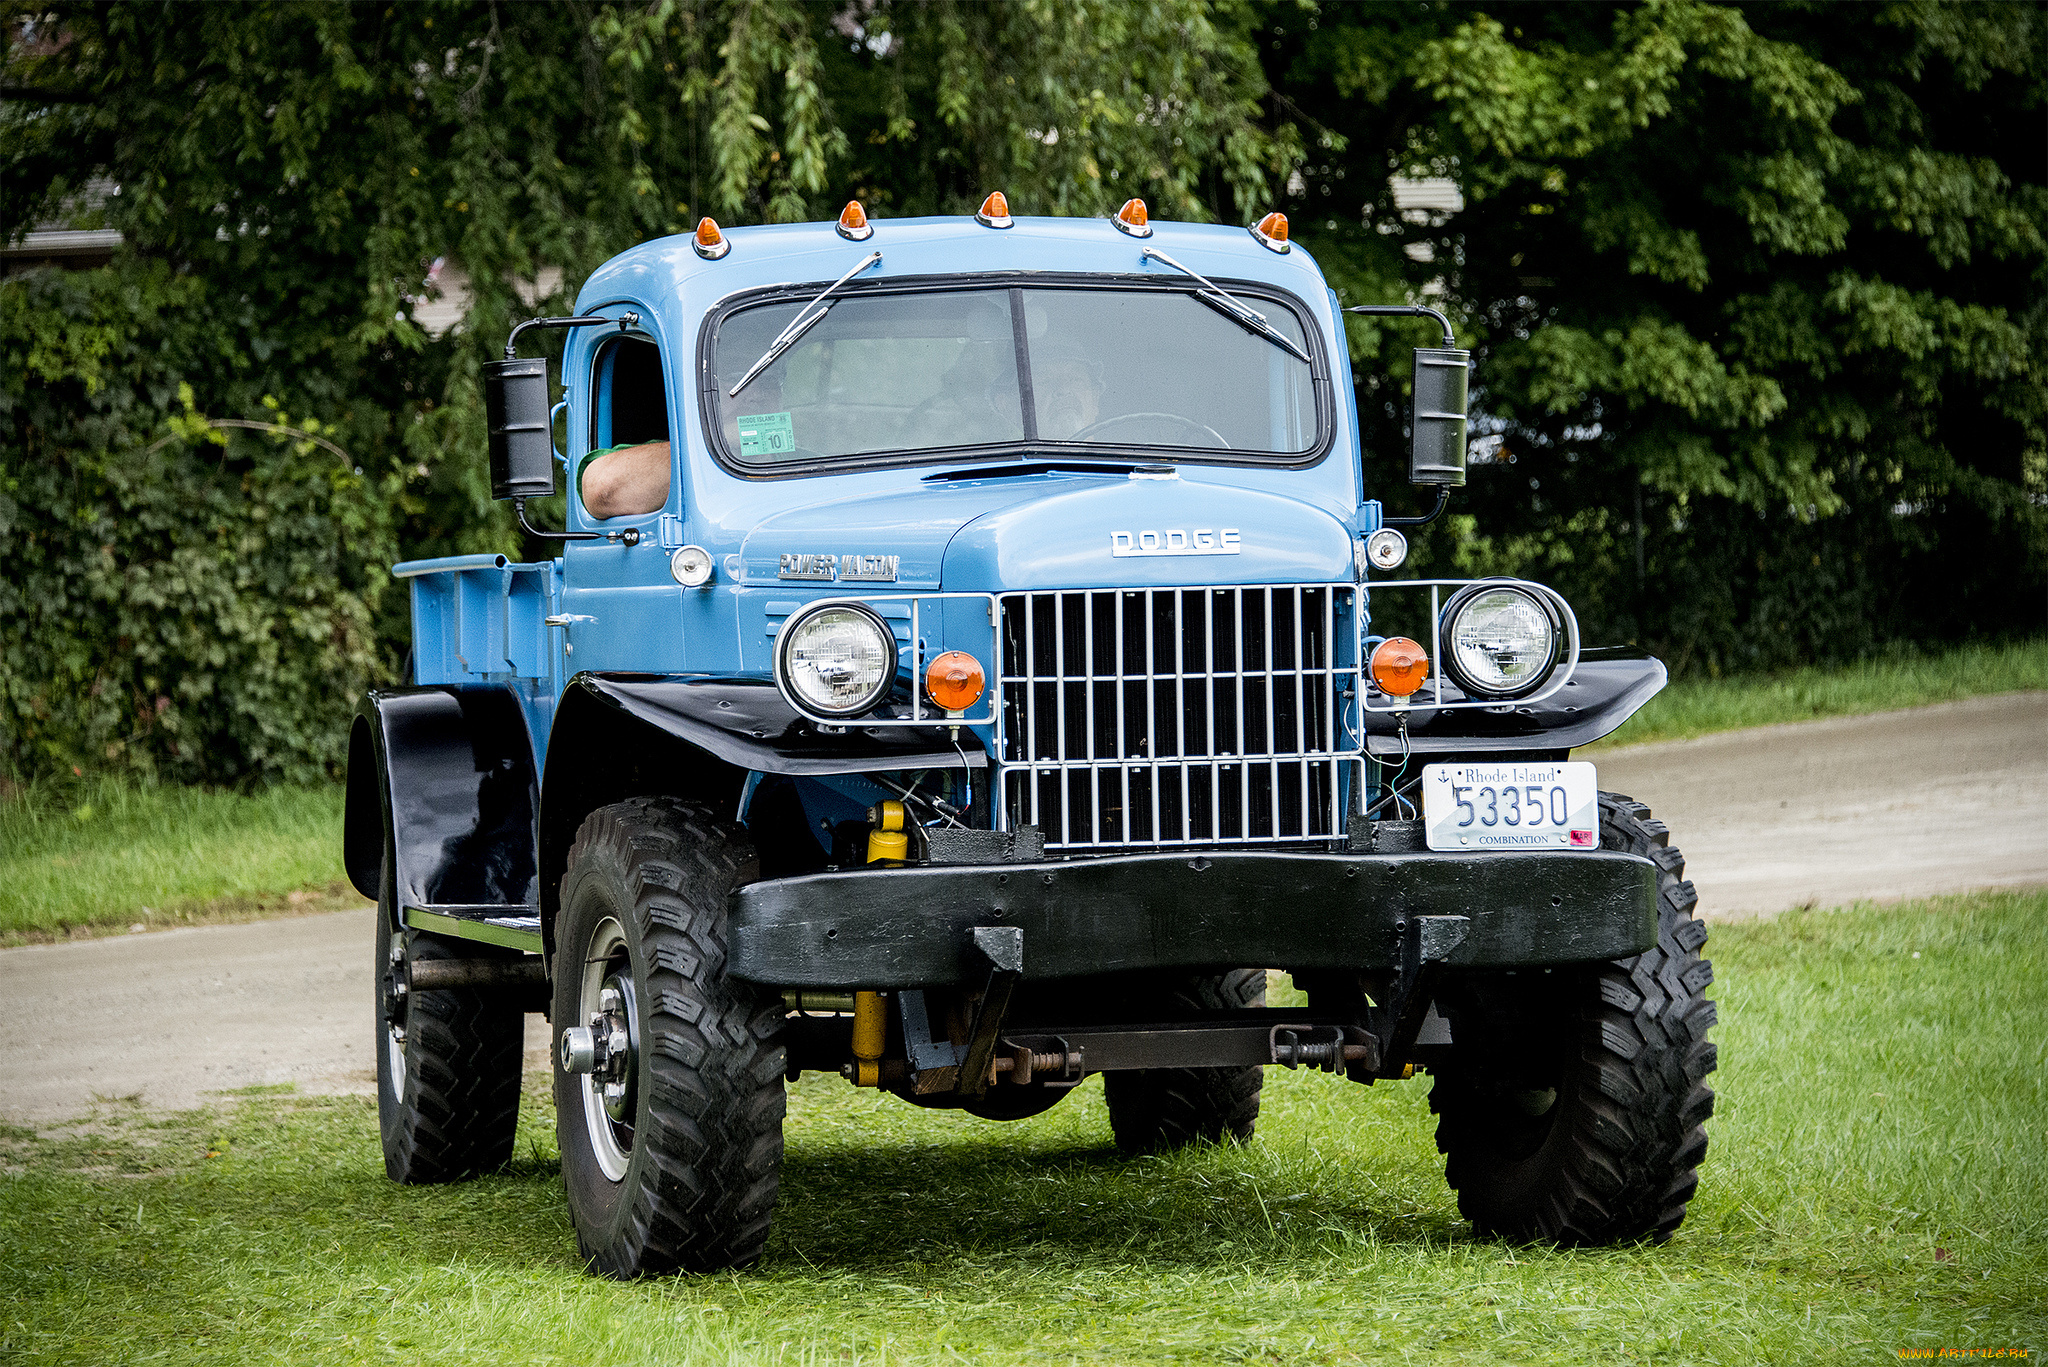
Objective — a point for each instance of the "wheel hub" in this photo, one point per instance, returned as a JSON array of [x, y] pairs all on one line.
[[605, 1052], [607, 1048], [397, 997]]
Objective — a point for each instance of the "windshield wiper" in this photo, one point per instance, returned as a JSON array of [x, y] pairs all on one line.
[[799, 325], [1232, 307]]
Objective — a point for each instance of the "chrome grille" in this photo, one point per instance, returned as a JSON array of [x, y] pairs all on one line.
[[1183, 716]]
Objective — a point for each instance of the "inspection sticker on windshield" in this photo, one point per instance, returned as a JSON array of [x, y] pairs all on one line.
[[1543, 806], [767, 434]]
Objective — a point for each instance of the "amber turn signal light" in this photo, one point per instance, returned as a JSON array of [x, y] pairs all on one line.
[[1271, 232], [954, 680], [994, 211], [711, 243], [853, 222], [1399, 666], [1133, 219]]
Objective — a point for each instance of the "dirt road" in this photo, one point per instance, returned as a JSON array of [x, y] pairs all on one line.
[[1903, 804]]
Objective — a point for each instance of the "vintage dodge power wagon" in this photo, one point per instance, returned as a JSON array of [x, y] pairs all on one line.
[[993, 668]]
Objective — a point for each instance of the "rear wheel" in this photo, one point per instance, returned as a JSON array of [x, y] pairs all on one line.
[[448, 1062], [671, 1130], [1572, 1108], [1155, 1109]]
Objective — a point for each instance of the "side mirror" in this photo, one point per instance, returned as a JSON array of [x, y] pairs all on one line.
[[1438, 454], [522, 442]]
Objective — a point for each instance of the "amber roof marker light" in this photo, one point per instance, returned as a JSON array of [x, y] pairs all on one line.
[[994, 211], [853, 222], [1399, 666], [1271, 231], [1133, 219], [710, 243]]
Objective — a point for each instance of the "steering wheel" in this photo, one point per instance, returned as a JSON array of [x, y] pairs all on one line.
[[1215, 437]]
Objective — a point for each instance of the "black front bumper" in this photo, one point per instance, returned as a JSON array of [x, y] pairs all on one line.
[[911, 927]]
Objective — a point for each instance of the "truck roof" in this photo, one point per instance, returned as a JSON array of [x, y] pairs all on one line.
[[796, 252]]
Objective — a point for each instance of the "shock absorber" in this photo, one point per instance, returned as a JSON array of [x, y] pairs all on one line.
[[888, 840], [870, 1037]]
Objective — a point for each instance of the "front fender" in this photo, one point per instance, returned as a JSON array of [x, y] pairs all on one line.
[[617, 736], [1610, 685]]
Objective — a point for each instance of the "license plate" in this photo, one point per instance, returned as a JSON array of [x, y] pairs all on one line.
[[1544, 806]]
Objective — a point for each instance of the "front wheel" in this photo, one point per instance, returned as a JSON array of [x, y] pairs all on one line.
[[668, 1073], [1573, 1106]]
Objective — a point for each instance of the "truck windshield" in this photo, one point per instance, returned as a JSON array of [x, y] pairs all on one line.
[[902, 375]]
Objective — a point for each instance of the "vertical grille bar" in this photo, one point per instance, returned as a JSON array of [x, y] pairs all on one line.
[[1122, 728], [1059, 692], [1273, 770]]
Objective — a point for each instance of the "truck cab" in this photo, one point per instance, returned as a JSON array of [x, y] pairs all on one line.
[[1012, 671]]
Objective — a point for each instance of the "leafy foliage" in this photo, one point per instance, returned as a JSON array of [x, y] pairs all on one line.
[[185, 607], [1760, 294], [284, 175]]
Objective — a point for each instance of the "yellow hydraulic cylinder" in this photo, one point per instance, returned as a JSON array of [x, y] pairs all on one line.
[[870, 1035], [888, 840]]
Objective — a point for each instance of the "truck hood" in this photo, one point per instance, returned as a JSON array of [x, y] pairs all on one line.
[[1057, 530]]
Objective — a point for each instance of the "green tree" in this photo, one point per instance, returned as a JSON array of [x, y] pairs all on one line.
[[285, 172], [1760, 294]]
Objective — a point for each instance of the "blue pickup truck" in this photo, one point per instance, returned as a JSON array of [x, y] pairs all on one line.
[[972, 663]]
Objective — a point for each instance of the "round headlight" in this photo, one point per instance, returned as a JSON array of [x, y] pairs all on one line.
[[838, 660], [1499, 642]]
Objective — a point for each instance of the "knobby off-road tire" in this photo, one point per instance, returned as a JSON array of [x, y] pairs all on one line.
[[1573, 1107], [447, 1067], [1156, 1109], [686, 1180]]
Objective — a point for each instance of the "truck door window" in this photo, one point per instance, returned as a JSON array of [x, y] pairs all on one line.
[[942, 371], [630, 397], [628, 471]]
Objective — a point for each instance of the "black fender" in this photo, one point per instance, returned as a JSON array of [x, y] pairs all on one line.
[[1610, 685], [617, 736], [446, 775]]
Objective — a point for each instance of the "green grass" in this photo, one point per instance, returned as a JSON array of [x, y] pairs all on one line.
[[1878, 1181], [109, 853], [1698, 707]]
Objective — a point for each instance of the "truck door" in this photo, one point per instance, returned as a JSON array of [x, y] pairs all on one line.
[[625, 592]]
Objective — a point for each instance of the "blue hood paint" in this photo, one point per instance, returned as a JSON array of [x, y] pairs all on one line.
[[914, 524], [1067, 538], [1059, 531]]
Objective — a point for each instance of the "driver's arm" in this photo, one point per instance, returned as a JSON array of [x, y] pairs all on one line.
[[632, 479]]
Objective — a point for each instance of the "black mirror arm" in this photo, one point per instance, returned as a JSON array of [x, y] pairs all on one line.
[[588, 320], [1408, 311], [1443, 499], [519, 510]]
